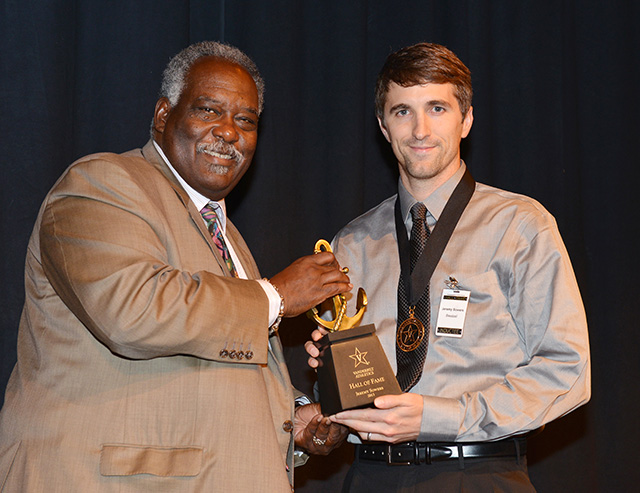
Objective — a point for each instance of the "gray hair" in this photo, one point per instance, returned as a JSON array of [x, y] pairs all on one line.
[[173, 77]]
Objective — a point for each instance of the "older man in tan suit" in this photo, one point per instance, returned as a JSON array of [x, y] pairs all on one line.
[[148, 355]]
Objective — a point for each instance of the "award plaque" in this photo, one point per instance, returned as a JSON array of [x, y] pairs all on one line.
[[352, 367]]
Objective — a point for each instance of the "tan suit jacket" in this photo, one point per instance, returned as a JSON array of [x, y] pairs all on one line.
[[120, 384]]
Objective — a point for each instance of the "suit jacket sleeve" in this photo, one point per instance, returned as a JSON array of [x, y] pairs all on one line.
[[124, 251]]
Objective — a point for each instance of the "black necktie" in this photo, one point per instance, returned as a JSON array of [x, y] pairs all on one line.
[[412, 339]]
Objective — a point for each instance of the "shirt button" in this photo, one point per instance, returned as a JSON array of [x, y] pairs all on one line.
[[287, 426]]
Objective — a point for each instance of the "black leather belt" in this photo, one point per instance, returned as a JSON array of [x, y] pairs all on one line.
[[427, 452]]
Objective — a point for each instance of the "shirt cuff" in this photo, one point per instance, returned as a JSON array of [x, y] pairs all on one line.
[[441, 418], [302, 400], [274, 300]]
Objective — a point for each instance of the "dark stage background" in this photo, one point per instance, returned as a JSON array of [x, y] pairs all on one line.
[[556, 117]]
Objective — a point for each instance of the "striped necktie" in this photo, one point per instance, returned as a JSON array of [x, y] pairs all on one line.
[[213, 224]]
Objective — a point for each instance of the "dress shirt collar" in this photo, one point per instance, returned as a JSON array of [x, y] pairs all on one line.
[[435, 202], [196, 197]]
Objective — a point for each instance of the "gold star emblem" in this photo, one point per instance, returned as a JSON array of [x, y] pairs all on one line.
[[409, 336], [359, 357]]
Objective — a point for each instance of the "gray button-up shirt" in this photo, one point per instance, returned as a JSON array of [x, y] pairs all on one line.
[[523, 359]]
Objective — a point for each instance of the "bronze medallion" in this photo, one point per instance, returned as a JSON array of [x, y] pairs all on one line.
[[410, 334]]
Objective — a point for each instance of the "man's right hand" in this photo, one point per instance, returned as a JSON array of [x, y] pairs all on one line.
[[309, 281]]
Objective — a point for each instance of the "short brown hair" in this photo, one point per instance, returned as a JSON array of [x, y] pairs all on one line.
[[424, 63]]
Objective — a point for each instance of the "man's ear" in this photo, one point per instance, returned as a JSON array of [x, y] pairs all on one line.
[[384, 129], [160, 115], [467, 122]]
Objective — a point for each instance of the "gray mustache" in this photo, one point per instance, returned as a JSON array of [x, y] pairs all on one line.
[[220, 148]]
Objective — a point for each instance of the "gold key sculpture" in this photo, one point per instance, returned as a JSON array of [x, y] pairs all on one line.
[[341, 321]]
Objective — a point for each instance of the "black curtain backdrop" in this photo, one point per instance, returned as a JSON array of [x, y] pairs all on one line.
[[556, 118]]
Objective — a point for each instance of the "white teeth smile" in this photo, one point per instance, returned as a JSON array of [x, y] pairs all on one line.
[[216, 154]]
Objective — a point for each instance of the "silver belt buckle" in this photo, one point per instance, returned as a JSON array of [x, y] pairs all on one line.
[[391, 462]]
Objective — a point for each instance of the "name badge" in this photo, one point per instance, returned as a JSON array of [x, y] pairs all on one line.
[[453, 310]]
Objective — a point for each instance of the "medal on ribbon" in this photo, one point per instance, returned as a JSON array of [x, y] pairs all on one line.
[[410, 333]]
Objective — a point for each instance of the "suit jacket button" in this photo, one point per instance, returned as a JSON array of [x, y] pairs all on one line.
[[240, 354], [248, 354], [287, 426], [224, 353], [232, 354]]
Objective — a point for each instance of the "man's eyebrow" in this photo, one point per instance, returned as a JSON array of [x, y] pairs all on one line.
[[438, 102], [399, 106], [207, 99], [431, 103]]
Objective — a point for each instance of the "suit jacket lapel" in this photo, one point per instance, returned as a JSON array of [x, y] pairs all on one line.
[[242, 251], [196, 218], [151, 155]]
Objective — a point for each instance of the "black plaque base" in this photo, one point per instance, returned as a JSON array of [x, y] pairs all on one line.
[[353, 370]]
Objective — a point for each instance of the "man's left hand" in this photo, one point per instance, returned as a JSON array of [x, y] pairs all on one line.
[[396, 419], [309, 423]]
